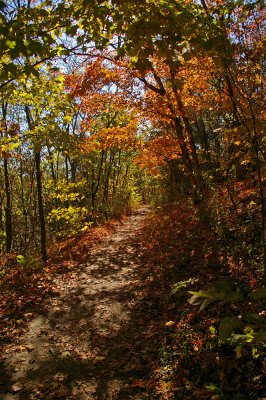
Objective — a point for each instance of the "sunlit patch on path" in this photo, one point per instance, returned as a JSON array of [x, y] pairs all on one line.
[[90, 344]]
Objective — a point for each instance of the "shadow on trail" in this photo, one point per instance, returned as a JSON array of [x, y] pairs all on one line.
[[119, 357], [98, 339]]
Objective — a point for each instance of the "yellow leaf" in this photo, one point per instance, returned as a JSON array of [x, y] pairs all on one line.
[[67, 119], [169, 323]]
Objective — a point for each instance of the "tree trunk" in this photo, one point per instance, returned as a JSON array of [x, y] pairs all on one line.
[[37, 159], [24, 211], [73, 169], [107, 178], [66, 171], [95, 185], [52, 165], [188, 129], [8, 212], [40, 205]]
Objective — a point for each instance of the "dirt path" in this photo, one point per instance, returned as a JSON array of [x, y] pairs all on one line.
[[93, 341]]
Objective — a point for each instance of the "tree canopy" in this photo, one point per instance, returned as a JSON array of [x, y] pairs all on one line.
[[107, 105]]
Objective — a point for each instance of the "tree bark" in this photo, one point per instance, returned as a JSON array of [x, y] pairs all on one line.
[[37, 159], [40, 206], [8, 211]]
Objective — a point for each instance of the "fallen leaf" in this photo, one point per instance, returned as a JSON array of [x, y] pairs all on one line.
[[99, 358], [169, 323], [66, 354], [17, 387], [29, 347], [138, 383]]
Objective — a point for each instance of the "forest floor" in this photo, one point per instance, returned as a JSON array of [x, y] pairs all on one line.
[[90, 340], [101, 321]]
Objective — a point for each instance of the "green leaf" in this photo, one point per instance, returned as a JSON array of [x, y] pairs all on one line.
[[238, 339], [202, 294], [200, 299], [11, 44], [212, 329], [220, 291], [227, 327], [182, 284], [212, 388], [21, 259]]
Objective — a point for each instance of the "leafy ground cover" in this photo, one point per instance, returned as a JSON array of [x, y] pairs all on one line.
[[199, 359], [25, 282], [109, 317], [87, 337]]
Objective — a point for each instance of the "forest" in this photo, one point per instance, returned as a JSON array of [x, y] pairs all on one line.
[[132, 199]]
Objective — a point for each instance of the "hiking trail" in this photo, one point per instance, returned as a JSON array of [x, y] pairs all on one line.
[[93, 340]]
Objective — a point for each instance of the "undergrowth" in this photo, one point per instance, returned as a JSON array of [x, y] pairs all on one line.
[[190, 252]]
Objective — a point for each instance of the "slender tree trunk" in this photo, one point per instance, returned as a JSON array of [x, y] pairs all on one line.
[[107, 179], [261, 191], [37, 159], [1, 215], [232, 98], [95, 185], [204, 139], [66, 171], [52, 166], [117, 174], [189, 132], [73, 169], [40, 205], [195, 181], [8, 212], [24, 211], [191, 166], [67, 177], [182, 142]]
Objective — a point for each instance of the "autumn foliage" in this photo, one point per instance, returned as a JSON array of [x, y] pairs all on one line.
[[109, 105]]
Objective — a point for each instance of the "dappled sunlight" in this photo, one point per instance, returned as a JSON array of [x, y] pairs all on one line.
[[91, 340]]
